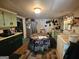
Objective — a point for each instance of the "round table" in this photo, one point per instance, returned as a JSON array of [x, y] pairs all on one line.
[[40, 44]]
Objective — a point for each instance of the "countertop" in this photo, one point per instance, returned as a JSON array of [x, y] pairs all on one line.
[[3, 38], [64, 37]]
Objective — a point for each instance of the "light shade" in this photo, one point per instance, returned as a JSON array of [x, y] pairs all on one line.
[[37, 10]]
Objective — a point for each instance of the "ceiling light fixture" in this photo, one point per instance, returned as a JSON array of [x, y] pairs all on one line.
[[37, 10]]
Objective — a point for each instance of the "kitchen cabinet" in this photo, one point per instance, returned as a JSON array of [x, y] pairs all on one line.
[[10, 20], [13, 20], [7, 20], [1, 20], [11, 44]]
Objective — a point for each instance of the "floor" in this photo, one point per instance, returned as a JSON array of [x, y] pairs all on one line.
[[47, 55], [26, 54]]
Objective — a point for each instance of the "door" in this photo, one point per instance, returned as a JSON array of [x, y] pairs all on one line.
[[1, 20]]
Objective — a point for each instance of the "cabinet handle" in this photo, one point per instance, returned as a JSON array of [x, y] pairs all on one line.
[[4, 24], [11, 23]]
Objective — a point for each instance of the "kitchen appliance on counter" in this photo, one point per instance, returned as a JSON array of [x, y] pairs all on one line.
[[6, 33]]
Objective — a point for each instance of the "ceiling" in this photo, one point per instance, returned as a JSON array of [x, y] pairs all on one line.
[[49, 8]]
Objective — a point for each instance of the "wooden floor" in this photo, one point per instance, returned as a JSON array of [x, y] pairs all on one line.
[[26, 54], [48, 55]]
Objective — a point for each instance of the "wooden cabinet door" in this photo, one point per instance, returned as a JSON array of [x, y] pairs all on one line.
[[1, 20], [13, 20], [7, 19]]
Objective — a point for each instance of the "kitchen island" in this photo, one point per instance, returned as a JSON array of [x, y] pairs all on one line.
[[62, 45], [63, 42]]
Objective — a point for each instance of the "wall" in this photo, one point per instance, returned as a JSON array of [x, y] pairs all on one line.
[[76, 13], [41, 25], [1, 31]]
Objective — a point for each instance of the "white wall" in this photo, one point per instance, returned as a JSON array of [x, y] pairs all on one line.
[[1, 31], [76, 13], [41, 25]]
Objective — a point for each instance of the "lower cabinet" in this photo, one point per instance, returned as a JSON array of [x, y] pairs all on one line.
[[8, 46]]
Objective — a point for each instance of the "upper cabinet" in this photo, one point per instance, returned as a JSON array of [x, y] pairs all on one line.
[[13, 20], [7, 20], [1, 20], [10, 20]]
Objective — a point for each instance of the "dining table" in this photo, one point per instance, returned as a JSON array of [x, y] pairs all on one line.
[[40, 43]]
